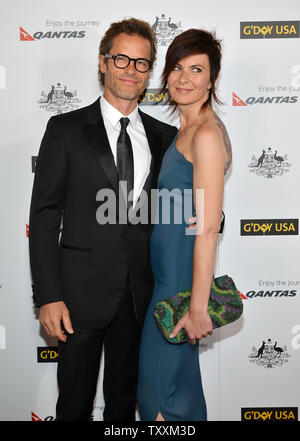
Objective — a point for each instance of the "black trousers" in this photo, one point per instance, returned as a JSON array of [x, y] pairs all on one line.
[[79, 363]]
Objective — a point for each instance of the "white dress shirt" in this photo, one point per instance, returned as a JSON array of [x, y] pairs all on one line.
[[140, 147]]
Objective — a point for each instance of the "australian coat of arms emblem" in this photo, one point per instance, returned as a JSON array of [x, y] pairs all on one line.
[[269, 354], [59, 99], [269, 164], [166, 30]]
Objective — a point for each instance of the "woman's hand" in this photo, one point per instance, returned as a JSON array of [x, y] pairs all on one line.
[[197, 325]]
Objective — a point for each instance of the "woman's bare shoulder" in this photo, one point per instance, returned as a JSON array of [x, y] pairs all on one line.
[[211, 138], [207, 137]]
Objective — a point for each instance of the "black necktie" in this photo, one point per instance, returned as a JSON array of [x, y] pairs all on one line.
[[125, 158]]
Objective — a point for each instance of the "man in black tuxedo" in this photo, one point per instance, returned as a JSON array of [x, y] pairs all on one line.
[[94, 283]]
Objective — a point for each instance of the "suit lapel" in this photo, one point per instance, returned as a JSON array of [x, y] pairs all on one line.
[[97, 138], [154, 141]]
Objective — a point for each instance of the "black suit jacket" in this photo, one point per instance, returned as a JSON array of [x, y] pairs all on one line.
[[88, 265]]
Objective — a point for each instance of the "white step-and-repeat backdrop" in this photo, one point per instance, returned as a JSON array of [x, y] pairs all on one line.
[[48, 65]]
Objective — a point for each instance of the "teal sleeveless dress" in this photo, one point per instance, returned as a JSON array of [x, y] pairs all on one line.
[[169, 375], [169, 379]]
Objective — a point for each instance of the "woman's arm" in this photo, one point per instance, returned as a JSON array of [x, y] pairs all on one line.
[[208, 156]]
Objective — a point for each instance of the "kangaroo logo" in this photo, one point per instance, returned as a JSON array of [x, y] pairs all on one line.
[[269, 164], [165, 30], [237, 101], [269, 354], [25, 36], [58, 99]]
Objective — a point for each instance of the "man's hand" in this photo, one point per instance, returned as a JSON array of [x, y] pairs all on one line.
[[51, 316]]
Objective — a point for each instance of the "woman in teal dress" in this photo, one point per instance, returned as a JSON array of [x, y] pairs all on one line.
[[169, 385]]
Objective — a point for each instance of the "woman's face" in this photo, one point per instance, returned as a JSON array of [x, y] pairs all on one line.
[[189, 81]]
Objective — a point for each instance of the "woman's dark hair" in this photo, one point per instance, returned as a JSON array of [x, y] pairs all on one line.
[[191, 42]]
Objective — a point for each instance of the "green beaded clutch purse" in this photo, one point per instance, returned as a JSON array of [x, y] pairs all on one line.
[[224, 307]]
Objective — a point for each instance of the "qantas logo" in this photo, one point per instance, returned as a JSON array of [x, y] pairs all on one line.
[[39, 35], [34, 417], [237, 101], [24, 36], [242, 295]]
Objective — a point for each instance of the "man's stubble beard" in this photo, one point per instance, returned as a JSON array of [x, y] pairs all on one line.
[[127, 94]]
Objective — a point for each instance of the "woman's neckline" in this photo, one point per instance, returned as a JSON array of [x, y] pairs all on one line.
[[181, 154]]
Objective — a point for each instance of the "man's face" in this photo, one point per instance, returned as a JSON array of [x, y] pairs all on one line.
[[128, 83]]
